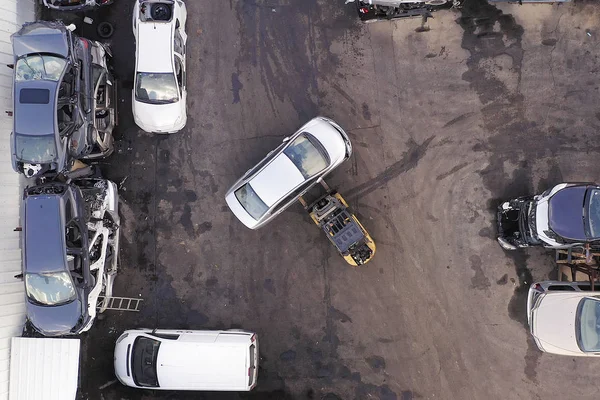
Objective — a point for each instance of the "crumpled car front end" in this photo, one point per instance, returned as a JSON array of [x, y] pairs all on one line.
[[516, 224]]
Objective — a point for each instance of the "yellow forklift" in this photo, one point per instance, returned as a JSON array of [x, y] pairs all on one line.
[[331, 213]]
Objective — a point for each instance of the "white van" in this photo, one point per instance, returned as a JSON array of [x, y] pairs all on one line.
[[187, 360]]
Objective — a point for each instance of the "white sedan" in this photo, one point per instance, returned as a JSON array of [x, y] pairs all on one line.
[[159, 94], [564, 318], [289, 171]]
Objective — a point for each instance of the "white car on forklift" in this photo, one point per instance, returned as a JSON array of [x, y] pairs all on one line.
[[159, 93]]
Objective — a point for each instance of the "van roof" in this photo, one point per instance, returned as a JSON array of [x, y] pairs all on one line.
[[198, 366]]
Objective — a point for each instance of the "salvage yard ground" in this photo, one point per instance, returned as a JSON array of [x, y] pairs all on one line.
[[483, 105]]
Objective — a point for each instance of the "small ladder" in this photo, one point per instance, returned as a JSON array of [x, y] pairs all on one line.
[[119, 303]]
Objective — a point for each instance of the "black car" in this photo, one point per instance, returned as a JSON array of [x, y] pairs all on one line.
[[564, 216], [64, 99]]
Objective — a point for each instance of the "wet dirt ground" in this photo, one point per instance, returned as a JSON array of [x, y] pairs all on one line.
[[485, 103]]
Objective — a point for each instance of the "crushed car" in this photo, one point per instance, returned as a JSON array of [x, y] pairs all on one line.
[[75, 5], [70, 249], [64, 99], [377, 10], [562, 217]]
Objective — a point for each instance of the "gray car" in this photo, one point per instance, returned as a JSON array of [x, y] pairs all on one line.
[[64, 99], [70, 252]]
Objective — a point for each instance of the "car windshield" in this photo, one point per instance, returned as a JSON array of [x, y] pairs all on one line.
[[143, 361], [250, 201], [593, 213], [156, 88], [35, 149], [51, 288], [36, 66], [307, 155], [587, 324]]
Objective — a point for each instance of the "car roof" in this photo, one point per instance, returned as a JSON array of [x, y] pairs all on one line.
[[154, 47], [276, 180], [45, 249], [41, 37], [199, 365], [35, 119]]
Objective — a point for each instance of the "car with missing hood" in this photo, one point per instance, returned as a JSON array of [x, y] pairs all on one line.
[[75, 5], [564, 318], [70, 249], [159, 95], [564, 216], [64, 99], [288, 172]]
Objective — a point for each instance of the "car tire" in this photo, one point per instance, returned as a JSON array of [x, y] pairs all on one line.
[[105, 30]]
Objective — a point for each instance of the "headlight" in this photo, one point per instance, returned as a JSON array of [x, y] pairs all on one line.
[[123, 336]]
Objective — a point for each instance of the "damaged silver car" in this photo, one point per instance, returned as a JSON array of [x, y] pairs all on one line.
[[64, 99]]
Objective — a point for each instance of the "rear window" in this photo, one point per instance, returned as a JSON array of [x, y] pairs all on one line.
[[34, 96], [307, 154], [251, 202], [143, 361]]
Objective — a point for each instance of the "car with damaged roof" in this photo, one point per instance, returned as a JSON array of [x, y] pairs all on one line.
[[564, 216], [288, 172], [160, 93], [64, 99], [564, 318], [70, 249], [75, 5]]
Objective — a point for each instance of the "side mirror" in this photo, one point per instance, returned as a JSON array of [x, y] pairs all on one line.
[[11, 66], [286, 139], [71, 27], [19, 276]]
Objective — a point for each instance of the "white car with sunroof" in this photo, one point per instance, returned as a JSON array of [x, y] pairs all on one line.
[[289, 171], [159, 88]]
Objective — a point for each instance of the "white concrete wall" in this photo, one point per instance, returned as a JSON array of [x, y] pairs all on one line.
[[13, 13]]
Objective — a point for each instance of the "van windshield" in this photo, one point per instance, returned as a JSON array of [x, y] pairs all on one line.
[[143, 361]]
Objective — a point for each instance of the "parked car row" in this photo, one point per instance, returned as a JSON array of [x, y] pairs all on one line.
[[563, 316]]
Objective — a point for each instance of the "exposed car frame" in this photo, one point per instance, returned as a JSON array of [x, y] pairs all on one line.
[[65, 116], [70, 235], [67, 5]]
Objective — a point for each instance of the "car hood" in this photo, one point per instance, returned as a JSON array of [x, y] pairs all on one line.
[[565, 213], [554, 322], [55, 320], [41, 37], [158, 117]]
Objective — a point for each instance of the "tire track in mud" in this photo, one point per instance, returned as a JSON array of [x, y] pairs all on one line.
[[491, 36]]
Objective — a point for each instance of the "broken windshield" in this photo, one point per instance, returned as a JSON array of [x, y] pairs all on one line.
[[35, 149], [36, 66], [50, 289]]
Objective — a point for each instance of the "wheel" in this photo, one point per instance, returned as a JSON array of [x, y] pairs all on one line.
[[105, 30]]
